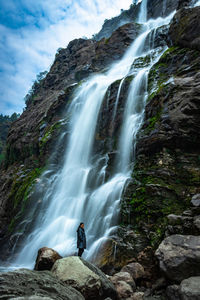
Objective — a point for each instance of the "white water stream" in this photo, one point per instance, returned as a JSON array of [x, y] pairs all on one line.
[[68, 199]]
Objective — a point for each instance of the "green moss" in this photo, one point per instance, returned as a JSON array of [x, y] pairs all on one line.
[[129, 78], [20, 191], [48, 135], [106, 41]]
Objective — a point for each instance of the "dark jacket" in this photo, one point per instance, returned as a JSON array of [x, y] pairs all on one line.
[[81, 238]]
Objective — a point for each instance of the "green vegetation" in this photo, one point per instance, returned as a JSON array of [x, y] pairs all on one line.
[[48, 135], [21, 188], [162, 184]]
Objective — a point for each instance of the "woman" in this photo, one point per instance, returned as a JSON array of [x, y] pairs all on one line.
[[81, 239]]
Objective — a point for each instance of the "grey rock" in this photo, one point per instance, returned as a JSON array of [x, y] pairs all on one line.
[[179, 256], [190, 289], [196, 200], [85, 277], [27, 284]]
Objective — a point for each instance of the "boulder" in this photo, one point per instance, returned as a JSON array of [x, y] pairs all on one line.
[[179, 256], [196, 200], [46, 258], [136, 270], [123, 276], [27, 284], [124, 290], [185, 28], [85, 277], [190, 289]]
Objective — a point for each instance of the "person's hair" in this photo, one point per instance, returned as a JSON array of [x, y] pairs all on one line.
[[79, 225]]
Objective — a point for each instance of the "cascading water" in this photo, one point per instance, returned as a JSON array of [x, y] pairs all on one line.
[[69, 199], [142, 18]]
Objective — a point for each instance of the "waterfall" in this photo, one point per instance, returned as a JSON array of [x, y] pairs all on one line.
[[164, 7], [69, 198], [142, 18]]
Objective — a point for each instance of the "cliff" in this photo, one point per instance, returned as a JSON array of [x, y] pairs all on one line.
[[166, 174]]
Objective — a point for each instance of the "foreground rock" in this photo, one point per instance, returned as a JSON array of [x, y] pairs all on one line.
[[179, 256], [46, 258], [134, 269], [190, 288], [27, 284], [124, 283], [85, 277], [196, 200]]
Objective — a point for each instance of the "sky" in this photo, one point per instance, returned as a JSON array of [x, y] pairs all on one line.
[[31, 31]]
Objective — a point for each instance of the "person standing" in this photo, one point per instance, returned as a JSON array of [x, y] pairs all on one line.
[[81, 239]]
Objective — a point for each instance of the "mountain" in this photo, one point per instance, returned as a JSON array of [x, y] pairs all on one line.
[[165, 169]]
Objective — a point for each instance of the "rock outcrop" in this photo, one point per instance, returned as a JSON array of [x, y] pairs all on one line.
[[179, 257], [85, 277], [185, 27], [167, 171], [46, 258], [27, 284]]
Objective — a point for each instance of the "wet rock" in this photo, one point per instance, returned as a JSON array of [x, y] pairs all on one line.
[[179, 257], [136, 270], [27, 284], [85, 277], [190, 289], [123, 276], [196, 200], [185, 27], [119, 250], [163, 8], [46, 258]]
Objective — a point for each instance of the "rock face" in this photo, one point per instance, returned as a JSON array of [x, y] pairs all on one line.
[[179, 256], [46, 258], [26, 284], [163, 8], [164, 177], [185, 27], [85, 277]]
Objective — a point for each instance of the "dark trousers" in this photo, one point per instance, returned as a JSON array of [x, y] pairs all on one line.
[[80, 251]]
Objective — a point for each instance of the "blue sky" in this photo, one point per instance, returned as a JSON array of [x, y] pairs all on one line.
[[32, 30]]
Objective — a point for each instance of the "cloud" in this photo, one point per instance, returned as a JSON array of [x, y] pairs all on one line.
[[33, 30]]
